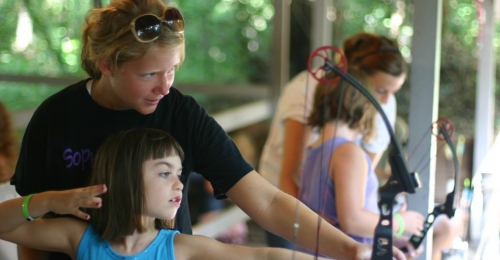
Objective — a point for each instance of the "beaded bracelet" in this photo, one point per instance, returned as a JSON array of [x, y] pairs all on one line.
[[24, 207], [401, 222]]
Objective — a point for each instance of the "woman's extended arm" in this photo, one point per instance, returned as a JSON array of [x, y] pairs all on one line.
[[200, 247], [274, 210]]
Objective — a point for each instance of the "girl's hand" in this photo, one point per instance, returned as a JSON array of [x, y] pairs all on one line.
[[414, 221], [364, 252], [70, 201], [410, 252]]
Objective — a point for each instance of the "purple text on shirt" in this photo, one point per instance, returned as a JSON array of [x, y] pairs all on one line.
[[77, 158]]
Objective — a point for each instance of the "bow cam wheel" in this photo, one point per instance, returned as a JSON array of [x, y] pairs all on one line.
[[446, 125], [325, 55]]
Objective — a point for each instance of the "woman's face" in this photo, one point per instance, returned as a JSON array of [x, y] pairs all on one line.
[[386, 85], [140, 84]]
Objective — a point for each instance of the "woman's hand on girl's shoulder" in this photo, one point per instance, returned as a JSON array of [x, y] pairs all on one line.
[[70, 201]]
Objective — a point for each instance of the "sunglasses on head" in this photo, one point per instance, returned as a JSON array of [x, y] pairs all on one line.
[[147, 27]]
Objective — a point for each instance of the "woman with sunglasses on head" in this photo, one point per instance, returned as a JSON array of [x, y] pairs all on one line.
[[131, 51]]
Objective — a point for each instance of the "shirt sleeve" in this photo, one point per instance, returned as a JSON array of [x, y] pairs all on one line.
[[215, 155], [297, 97]]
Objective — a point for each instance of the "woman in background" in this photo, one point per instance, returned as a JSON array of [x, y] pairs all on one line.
[[8, 159]]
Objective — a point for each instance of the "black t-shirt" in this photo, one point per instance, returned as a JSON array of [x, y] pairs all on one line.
[[62, 138]]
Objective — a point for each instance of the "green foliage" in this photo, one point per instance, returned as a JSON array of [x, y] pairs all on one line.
[[228, 41], [51, 47], [459, 60], [18, 96], [459, 49], [8, 16]]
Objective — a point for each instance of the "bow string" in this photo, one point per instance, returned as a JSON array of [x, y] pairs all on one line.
[[445, 132]]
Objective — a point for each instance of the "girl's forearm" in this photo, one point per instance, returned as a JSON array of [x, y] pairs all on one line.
[[350, 223], [11, 213], [306, 237], [280, 253]]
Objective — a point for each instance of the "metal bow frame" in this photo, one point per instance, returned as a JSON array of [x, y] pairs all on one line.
[[449, 206]]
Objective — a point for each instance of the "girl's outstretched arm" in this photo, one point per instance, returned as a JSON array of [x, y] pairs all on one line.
[[349, 169], [48, 234], [201, 247]]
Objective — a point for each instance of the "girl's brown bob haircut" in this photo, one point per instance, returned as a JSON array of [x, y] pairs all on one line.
[[355, 109], [107, 35], [119, 164]]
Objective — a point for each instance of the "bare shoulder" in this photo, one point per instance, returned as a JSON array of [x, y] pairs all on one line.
[[76, 226], [190, 246], [71, 228], [350, 159], [349, 151]]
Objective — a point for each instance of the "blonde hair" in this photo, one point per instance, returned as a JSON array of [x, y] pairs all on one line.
[[355, 110], [107, 34]]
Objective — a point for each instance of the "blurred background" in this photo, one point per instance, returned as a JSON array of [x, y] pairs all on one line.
[[229, 62], [228, 43]]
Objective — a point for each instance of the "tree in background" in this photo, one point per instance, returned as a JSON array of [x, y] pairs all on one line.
[[229, 41]]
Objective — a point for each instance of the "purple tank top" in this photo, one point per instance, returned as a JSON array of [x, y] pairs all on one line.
[[315, 177]]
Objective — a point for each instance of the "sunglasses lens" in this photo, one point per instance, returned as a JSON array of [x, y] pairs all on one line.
[[148, 27], [174, 20]]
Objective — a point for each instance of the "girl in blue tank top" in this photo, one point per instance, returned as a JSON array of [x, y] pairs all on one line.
[[134, 194]]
